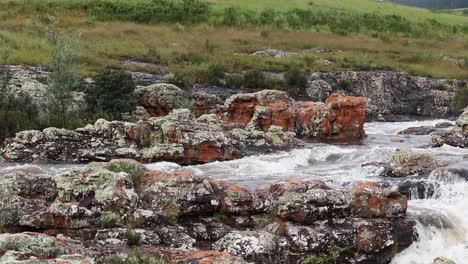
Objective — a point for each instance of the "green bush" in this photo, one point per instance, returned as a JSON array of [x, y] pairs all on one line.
[[235, 81], [254, 79], [296, 78], [345, 85], [461, 98], [133, 238], [111, 95]]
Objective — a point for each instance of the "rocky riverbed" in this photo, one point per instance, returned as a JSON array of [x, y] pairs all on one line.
[[259, 177]]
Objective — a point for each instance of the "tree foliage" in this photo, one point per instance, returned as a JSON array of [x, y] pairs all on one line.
[[65, 74], [111, 94]]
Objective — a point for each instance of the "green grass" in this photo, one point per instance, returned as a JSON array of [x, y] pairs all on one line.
[[409, 42]]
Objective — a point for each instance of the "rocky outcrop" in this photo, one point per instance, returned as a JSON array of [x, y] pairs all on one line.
[[263, 121], [391, 94], [120, 206], [458, 136], [260, 110], [160, 99], [178, 137], [340, 117]]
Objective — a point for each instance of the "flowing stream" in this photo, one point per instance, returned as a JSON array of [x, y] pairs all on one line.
[[441, 214]]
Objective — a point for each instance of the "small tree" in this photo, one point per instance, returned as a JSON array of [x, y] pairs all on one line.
[[112, 94], [65, 74]]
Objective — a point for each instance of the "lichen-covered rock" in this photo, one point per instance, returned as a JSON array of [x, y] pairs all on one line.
[[458, 136], [120, 204], [164, 196], [204, 103], [256, 246], [443, 260], [406, 162], [371, 202], [391, 94], [160, 99], [177, 137]]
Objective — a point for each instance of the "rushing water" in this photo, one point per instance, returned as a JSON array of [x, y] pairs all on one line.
[[442, 217]]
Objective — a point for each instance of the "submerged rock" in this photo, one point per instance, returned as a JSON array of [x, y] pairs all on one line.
[[458, 136]]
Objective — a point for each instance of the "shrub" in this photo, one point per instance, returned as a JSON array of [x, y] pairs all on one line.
[[254, 79], [108, 219], [133, 170], [235, 81], [111, 94], [296, 78], [133, 238], [461, 98], [345, 85]]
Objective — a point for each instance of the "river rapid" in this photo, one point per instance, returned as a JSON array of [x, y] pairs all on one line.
[[441, 215]]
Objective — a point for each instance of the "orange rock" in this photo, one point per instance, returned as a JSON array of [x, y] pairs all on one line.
[[261, 110], [341, 117], [235, 199]]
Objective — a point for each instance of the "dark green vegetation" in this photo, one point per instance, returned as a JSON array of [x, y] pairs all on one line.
[[461, 99], [111, 95]]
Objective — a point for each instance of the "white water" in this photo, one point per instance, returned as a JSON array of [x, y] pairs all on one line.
[[442, 219]]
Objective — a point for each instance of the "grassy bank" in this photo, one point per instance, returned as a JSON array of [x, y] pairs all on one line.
[[191, 36]]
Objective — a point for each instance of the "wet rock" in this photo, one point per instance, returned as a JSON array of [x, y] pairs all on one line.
[[371, 202], [423, 130], [444, 125], [449, 174], [406, 162], [160, 99], [458, 136]]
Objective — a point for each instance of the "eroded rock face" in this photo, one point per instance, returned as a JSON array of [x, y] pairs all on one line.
[[103, 207], [458, 136], [390, 93], [260, 110]]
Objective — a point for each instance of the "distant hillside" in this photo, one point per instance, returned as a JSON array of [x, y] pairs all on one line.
[[434, 4]]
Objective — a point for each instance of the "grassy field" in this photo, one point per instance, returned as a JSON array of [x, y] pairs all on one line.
[[192, 46]]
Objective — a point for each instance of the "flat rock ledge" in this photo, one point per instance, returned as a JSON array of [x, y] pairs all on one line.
[[114, 208], [246, 123]]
